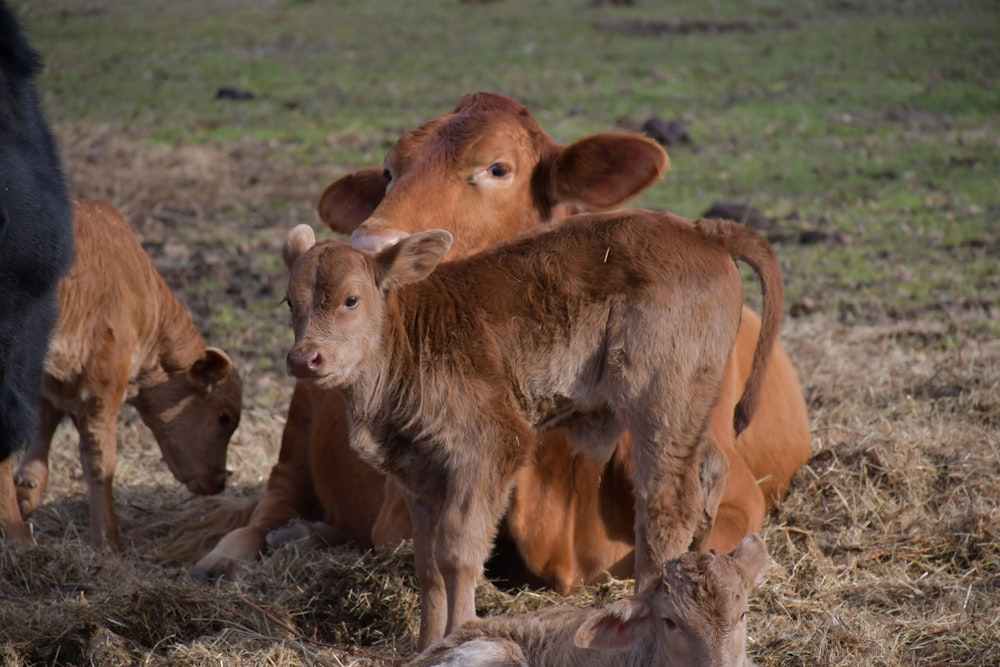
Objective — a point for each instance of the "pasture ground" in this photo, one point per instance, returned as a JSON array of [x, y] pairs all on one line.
[[868, 131]]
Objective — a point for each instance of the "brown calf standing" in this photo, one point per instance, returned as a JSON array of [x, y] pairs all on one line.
[[694, 614], [122, 336], [609, 322]]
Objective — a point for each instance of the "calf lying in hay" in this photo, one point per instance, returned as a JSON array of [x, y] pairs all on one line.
[[608, 322], [695, 615]]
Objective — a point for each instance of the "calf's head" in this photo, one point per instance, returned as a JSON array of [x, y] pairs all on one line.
[[193, 413], [486, 172], [337, 298], [697, 611]]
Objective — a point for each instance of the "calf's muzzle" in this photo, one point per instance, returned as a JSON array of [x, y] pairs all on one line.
[[303, 363]]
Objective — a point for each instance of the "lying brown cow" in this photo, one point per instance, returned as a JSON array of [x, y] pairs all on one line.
[[587, 531], [123, 336], [607, 323], [695, 615]]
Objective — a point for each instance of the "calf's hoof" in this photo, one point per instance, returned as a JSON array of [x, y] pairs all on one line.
[[29, 486]]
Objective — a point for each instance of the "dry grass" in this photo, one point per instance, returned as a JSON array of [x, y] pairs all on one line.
[[886, 552]]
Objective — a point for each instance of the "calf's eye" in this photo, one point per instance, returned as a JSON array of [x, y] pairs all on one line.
[[351, 302], [669, 622], [225, 419], [498, 170]]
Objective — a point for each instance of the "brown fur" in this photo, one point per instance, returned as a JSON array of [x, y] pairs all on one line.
[[608, 322], [123, 336], [587, 507], [694, 615]]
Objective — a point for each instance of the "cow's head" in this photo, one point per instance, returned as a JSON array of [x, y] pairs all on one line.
[[193, 413], [697, 611], [486, 172], [336, 295]]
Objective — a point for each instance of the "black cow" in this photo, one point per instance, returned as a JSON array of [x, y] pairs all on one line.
[[36, 248]]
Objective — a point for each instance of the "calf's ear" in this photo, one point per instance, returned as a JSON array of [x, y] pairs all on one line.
[[606, 170], [751, 557], [298, 243], [412, 258], [619, 625], [212, 367], [350, 200]]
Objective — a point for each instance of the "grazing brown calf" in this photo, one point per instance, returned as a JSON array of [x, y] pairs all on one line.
[[438, 175], [122, 336], [608, 322], [694, 614]]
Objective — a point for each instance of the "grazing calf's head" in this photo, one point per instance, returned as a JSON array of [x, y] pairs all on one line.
[[488, 172], [336, 294], [193, 414], [698, 610]]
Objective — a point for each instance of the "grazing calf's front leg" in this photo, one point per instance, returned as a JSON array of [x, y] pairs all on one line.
[[33, 474], [99, 455], [12, 526]]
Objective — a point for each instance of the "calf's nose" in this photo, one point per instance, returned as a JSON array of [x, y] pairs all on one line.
[[208, 484], [303, 363]]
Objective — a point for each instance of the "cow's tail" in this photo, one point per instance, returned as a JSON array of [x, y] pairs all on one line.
[[745, 244]]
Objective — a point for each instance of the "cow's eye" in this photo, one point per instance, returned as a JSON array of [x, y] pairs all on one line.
[[386, 174], [351, 302], [498, 170], [670, 623], [225, 419]]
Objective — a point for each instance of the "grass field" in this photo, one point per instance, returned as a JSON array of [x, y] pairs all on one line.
[[868, 131]]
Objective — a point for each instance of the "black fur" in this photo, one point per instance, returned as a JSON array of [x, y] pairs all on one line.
[[36, 234]]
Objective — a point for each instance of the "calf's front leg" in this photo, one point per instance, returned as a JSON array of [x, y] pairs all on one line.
[[14, 530], [433, 596], [99, 456], [452, 537], [33, 474]]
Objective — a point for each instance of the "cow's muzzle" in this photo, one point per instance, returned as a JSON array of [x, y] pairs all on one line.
[[373, 238]]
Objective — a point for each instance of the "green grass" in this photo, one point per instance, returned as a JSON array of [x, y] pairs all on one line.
[[877, 120]]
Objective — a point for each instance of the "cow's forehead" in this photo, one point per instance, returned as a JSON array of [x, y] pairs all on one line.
[[456, 137]]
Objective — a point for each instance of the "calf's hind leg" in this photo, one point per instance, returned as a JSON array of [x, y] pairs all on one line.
[[680, 476]]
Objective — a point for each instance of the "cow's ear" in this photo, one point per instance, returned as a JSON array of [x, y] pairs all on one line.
[[212, 367], [412, 258], [606, 170], [751, 557], [299, 241], [619, 625], [350, 200]]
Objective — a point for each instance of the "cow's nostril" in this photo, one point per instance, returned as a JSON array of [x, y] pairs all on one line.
[[314, 361]]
